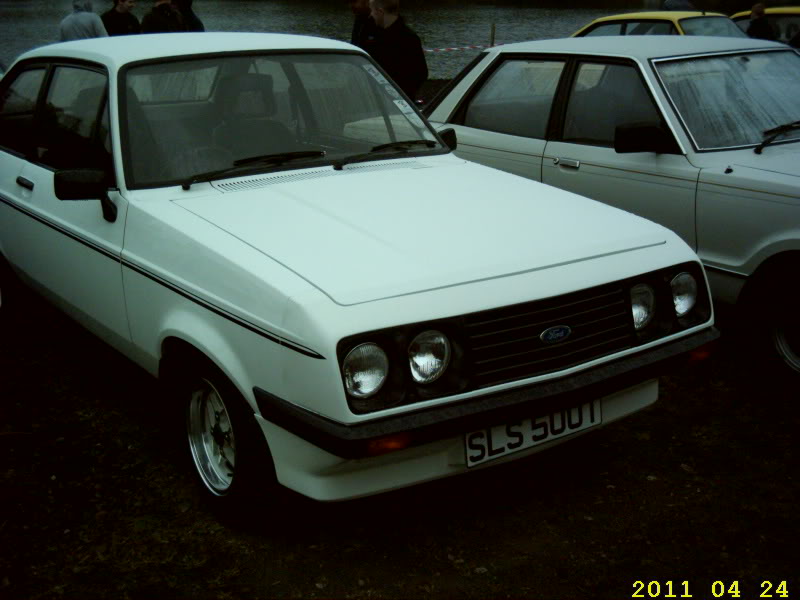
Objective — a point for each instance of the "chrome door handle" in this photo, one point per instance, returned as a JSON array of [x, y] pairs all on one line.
[[567, 162], [26, 183]]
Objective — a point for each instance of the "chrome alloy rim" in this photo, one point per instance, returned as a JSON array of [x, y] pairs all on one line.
[[211, 438], [787, 342]]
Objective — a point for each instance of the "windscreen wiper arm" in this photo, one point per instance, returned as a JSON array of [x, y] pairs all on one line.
[[399, 147], [251, 164], [771, 134]]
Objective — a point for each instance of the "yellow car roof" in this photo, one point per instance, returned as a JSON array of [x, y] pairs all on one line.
[[662, 15]]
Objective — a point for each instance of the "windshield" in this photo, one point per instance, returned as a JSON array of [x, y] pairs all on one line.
[[184, 119], [719, 26], [731, 100]]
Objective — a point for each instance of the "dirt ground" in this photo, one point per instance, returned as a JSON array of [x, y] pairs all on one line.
[[96, 501]]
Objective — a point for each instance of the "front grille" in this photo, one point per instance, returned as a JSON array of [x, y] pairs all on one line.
[[505, 345]]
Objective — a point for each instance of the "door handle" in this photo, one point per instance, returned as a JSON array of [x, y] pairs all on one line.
[[567, 162], [26, 183]]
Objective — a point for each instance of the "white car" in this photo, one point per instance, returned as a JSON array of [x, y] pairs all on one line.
[[336, 301], [699, 134]]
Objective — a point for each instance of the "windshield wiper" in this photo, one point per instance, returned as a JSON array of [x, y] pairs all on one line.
[[279, 158], [399, 147], [251, 164], [771, 134]]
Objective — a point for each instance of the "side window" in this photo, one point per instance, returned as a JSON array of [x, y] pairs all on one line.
[[74, 127], [516, 99], [606, 29], [17, 106], [602, 97], [650, 28]]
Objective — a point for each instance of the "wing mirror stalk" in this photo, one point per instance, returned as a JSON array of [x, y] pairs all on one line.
[[86, 184], [449, 137]]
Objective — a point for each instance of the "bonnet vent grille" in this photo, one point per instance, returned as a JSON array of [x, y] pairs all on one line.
[[251, 183]]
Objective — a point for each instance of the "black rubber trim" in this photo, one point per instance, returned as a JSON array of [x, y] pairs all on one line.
[[180, 291], [440, 422]]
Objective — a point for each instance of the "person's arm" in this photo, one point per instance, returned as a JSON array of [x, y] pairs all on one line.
[[99, 28]]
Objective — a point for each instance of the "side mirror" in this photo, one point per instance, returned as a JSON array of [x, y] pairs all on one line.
[[85, 184], [449, 137], [644, 137]]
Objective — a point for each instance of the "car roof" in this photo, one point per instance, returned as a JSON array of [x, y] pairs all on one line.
[[661, 15], [119, 50], [640, 47]]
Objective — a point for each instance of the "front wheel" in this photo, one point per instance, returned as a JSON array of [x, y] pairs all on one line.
[[785, 336], [226, 445]]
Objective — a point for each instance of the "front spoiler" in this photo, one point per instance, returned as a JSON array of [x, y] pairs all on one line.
[[441, 422]]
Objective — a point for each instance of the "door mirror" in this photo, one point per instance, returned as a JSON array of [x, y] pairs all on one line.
[[644, 137], [449, 137], [85, 184]]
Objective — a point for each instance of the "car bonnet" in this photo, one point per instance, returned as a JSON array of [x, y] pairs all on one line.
[[401, 227]]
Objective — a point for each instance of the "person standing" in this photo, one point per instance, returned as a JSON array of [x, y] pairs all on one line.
[[396, 47], [163, 18], [363, 26], [190, 20], [120, 20], [677, 5], [759, 27], [82, 23]]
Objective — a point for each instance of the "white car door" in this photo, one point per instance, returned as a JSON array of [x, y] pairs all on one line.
[[660, 187], [503, 124], [66, 248]]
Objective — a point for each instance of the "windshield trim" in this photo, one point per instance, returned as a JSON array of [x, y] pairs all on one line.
[[655, 62]]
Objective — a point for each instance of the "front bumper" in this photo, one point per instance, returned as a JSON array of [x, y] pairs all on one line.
[[439, 423]]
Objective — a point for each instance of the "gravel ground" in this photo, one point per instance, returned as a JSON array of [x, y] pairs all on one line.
[[96, 502]]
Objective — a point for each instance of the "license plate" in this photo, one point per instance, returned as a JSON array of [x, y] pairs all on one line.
[[502, 440]]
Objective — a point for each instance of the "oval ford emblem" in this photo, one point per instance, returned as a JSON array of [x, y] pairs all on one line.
[[559, 333]]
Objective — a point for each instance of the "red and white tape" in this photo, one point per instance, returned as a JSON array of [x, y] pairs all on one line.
[[475, 47]]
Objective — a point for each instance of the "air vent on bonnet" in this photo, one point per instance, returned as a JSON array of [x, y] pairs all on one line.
[[275, 178]]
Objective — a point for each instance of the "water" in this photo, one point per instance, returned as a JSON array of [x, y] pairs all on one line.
[[26, 24]]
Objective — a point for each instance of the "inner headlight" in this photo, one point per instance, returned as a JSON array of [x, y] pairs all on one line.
[[684, 293], [365, 369], [643, 304], [428, 356]]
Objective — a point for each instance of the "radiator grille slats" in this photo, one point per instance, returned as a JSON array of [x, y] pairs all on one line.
[[505, 343]]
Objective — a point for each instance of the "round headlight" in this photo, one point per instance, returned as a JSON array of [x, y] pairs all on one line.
[[684, 293], [365, 369], [428, 355], [643, 303]]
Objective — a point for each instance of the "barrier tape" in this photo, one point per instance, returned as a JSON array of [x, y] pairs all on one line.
[[475, 47]]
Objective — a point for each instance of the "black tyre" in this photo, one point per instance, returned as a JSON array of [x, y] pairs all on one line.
[[227, 448]]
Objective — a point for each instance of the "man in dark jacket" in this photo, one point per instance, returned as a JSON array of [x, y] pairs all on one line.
[[163, 18], [396, 48], [120, 20], [363, 26], [759, 26]]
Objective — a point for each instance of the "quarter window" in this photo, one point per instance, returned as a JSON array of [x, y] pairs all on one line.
[[516, 99], [603, 97]]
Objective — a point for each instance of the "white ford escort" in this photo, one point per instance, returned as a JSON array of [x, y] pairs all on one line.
[[339, 303]]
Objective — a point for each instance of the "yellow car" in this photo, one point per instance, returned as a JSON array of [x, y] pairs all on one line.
[[785, 20], [664, 22]]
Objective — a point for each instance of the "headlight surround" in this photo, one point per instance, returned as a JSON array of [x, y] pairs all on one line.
[[684, 293], [643, 304], [428, 356], [365, 370]]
